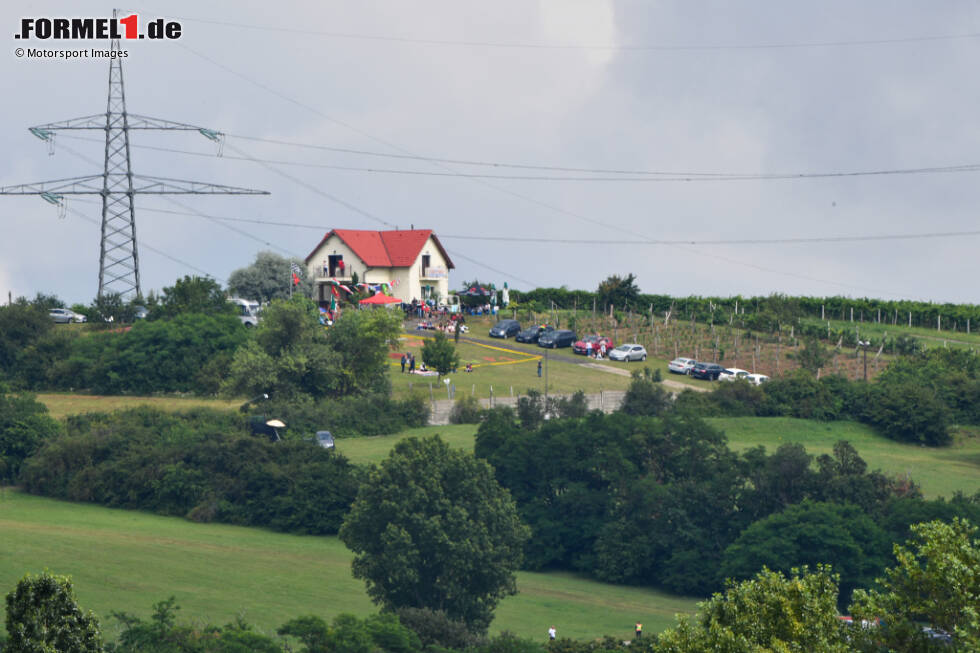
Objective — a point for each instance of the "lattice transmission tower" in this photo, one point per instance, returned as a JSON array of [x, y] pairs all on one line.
[[119, 270]]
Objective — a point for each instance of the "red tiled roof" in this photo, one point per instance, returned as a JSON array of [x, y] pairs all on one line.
[[385, 249]]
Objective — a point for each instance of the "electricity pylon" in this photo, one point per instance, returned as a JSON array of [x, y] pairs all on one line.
[[119, 270]]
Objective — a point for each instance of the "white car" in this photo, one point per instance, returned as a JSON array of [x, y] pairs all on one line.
[[732, 374], [681, 365], [64, 316], [628, 352], [756, 379]]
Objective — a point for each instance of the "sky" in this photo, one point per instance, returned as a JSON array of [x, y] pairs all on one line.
[[734, 101]]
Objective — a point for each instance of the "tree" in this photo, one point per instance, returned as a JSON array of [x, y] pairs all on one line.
[[432, 528], [363, 340], [618, 291], [440, 354], [767, 613], [268, 278], [813, 356], [21, 325], [809, 534], [193, 294], [44, 617], [288, 356], [645, 396], [936, 581], [24, 426]]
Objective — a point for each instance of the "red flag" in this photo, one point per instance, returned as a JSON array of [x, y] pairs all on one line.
[[295, 279], [333, 289]]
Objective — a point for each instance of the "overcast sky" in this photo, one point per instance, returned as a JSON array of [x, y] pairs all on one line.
[[598, 84]]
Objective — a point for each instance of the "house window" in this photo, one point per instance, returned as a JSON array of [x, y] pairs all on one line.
[[336, 266], [426, 292], [426, 261]]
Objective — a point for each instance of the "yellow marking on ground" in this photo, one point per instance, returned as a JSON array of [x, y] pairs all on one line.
[[528, 357]]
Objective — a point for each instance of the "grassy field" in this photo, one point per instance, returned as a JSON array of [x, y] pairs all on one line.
[[61, 405], [939, 471], [502, 369], [374, 449], [126, 561]]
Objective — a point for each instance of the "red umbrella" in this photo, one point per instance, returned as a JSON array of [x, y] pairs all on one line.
[[380, 299]]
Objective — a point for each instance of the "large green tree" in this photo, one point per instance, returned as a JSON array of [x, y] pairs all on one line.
[[44, 617], [432, 528], [936, 581], [770, 612], [268, 278], [618, 292], [811, 533], [193, 294]]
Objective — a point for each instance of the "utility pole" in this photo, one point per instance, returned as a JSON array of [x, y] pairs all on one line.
[[864, 345], [118, 253]]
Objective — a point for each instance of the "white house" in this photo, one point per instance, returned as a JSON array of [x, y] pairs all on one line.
[[411, 261]]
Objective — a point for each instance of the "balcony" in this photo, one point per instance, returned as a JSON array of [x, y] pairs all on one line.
[[323, 274]]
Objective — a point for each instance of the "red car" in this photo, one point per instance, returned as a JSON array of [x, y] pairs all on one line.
[[597, 342]]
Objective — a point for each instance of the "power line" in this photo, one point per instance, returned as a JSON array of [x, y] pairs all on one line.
[[739, 241], [500, 189], [144, 245], [662, 176], [639, 47]]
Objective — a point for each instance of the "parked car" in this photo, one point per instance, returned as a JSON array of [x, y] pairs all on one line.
[[630, 352], [505, 329], [65, 316], [707, 371], [141, 312], [531, 334], [757, 379], [732, 374], [556, 338], [324, 439], [580, 346], [681, 365]]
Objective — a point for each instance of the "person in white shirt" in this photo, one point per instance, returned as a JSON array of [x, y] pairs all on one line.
[[552, 633]]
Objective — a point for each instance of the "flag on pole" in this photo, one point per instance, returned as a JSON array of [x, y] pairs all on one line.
[[296, 270]]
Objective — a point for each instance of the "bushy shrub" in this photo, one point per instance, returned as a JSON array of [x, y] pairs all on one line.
[[801, 395], [908, 412], [199, 464], [348, 416], [466, 410]]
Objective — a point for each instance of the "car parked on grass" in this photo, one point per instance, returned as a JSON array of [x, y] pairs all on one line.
[[732, 374], [531, 334], [505, 329], [65, 316], [706, 371], [757, 379], [628, 352], [556, 338], [681, 365], [581, 346]]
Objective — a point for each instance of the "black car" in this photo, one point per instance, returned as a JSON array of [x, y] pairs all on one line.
[[532, 334], [709, 371], [505, 329], [557, 338]]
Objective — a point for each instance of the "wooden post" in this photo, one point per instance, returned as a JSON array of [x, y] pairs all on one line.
[[939, 321], [822, 317], [852, 313]]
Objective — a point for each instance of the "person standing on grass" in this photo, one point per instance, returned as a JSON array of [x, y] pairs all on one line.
[[588, 349], [539, 368], [404, 360], [639, 630], [552, 633], [411, 363]]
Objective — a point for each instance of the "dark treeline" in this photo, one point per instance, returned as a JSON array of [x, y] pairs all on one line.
[[201, 464], [760, 313], [663, 501]]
